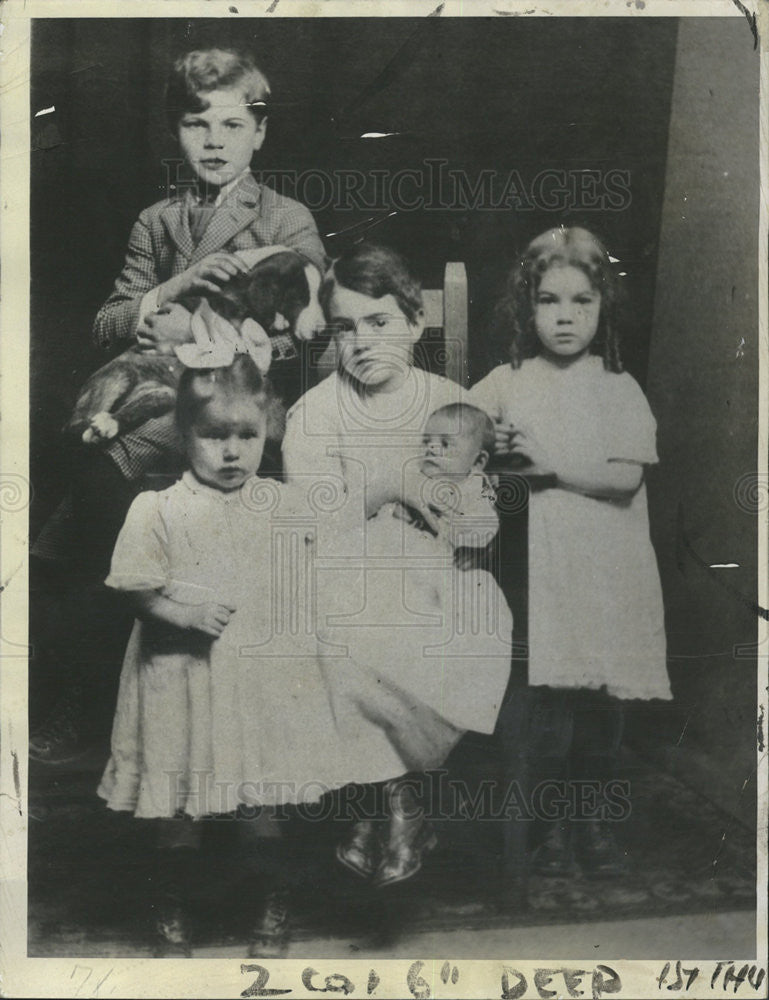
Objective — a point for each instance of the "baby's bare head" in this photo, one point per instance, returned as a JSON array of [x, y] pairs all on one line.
[[458, 440]]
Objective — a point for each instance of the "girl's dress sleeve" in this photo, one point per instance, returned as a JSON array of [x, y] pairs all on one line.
[[630, 430], [140, 558]]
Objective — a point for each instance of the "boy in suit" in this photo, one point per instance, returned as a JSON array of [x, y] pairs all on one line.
[[184, 245], [179, 248]]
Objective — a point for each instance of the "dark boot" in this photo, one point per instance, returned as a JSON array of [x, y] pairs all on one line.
[[550, 803], [409, 836], [538, 735], [171, 926], [598, 727], [271, 871], [598, 853], [553, 857], [361, 851], [271, 934]]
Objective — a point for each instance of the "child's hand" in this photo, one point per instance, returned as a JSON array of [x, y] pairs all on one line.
[[161, 331], [503, 439], [415, 495], [203, 278], [402, 513], [212, 619], [468, 558], [524, 445]]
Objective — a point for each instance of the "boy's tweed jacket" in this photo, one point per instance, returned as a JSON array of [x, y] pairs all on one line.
[[160, 247]]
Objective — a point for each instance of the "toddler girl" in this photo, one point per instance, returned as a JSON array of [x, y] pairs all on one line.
[[215, 711], [583, 432]]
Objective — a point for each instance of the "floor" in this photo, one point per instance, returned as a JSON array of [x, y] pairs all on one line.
[[732, 933], [690, 888]]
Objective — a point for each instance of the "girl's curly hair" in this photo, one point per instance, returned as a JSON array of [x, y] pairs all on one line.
[[559, 247]]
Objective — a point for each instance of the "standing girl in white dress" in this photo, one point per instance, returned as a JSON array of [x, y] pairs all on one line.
[[217, 710], [583, 433]]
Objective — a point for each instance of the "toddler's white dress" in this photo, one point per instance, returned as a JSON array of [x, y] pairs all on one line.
[[595, 603], [204, 724]]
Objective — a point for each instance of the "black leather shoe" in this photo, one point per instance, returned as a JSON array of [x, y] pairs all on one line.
[[554, 857], [402, 858], [598, 853], [270, 937], [360, 852], [171, 931], [409, 835]]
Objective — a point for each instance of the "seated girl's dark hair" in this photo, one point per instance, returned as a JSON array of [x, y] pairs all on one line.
[[198, 72], [374, 270], [197, 386], [561, 247]]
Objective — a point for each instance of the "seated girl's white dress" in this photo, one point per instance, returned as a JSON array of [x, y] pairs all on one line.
[[204, 724], [409, 640], [407, 670]]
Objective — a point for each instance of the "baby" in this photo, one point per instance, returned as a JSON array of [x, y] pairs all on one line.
[[458, 440]]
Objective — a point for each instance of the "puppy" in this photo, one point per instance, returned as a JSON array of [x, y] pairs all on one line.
[[279, 292]]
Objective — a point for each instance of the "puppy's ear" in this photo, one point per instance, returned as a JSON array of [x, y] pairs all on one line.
[[269, 282], [311, 318]]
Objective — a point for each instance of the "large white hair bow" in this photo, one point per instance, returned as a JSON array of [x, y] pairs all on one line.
[[217, 341]]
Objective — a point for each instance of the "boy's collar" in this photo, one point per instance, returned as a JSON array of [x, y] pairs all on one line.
[[248, 190], [233, 216]]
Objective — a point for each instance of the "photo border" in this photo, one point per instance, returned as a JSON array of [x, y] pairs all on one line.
[[206, 977]]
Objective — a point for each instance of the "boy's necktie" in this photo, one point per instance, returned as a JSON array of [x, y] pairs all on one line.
[[200, 215]]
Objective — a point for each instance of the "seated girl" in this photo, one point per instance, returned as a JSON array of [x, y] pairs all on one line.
[[405, 675]]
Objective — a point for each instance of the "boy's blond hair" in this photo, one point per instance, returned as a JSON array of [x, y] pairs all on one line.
[[202, 70]]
